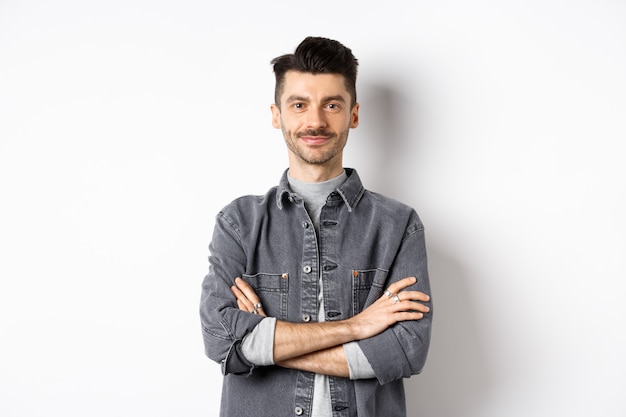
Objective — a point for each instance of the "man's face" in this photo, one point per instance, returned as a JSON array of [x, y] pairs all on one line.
[[315, 117]]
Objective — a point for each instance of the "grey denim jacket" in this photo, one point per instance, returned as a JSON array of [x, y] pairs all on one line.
[[366, 242]]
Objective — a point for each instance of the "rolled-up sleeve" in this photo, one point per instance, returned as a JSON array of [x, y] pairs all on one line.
[[358, 365], [401, 350], [224, 326], [258, 346]]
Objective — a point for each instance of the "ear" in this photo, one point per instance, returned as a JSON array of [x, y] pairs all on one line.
[[354, 116], [275, 116]]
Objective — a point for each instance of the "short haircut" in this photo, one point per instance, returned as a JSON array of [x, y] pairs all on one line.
[[317, 55]]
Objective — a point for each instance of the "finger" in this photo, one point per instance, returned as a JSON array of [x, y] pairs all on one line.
[[261, 312], [404, 303], [236, 289], [412, 306], [237, 292], [414, 296], [398, 286], [247, 290], [242, 306], [242, 299], [245, 305], [409, 315]]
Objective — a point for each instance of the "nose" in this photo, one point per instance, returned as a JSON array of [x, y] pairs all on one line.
[[316, 118]]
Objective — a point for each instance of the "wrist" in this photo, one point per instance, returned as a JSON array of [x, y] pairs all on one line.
[[353, 329]]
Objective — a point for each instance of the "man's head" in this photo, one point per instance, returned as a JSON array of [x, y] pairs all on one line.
[[315, 106], [316, 55]]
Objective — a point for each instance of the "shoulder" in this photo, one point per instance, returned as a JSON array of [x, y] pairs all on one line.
[[247, 206], [392, 211], [387, 203]]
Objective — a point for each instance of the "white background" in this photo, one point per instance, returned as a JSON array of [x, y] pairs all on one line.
[[126, 125]]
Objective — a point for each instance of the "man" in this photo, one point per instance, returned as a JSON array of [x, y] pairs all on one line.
[[316, 302]]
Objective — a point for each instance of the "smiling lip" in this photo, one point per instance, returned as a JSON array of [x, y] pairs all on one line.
[[314, 140]]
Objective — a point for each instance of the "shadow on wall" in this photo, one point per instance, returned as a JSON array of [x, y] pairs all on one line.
[[381, 146], [455, 381]]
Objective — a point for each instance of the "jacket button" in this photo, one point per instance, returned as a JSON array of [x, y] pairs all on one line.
[[305, 224], [306, 269], [306, 318], [299, 411]]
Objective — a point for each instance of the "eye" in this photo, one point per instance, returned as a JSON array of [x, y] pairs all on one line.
[[298, 106], [333, 107]]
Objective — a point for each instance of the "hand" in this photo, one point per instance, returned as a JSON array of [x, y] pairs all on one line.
[[247, 298], [392, 307]]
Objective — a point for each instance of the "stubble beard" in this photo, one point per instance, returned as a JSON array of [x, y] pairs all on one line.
[[313, 156]]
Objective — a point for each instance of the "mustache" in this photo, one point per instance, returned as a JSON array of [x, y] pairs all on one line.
[[315, 132]]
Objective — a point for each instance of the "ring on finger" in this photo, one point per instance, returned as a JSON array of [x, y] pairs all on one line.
[[396, 298], [257, 306], [388, 293]]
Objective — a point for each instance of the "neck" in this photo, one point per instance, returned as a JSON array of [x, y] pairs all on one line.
[[315, 173]]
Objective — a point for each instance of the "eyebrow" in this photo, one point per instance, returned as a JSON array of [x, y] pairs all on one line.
[[293, 98], [335, 98]]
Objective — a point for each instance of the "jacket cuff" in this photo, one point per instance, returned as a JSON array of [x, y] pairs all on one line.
[[235, 362], [389, 366]]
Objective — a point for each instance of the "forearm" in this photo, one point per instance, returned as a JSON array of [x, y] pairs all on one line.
[[293, 340], [331, 361]]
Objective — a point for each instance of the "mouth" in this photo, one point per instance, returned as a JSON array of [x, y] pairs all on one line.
[[314, 140], [315, 137]]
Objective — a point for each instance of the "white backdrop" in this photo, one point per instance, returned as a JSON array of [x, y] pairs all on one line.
[[126, 125]]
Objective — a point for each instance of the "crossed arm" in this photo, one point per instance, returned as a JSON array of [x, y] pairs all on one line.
[[318, 347]]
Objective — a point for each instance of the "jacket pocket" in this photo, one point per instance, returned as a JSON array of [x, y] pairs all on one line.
[[367, 286], [272, 289]]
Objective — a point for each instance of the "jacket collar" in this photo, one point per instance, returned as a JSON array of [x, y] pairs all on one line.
[[350, 191]]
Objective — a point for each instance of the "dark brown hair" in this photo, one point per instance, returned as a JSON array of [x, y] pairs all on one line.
[[317, 55]]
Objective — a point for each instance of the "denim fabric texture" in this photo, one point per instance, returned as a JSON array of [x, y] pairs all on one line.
[[366, 242]]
